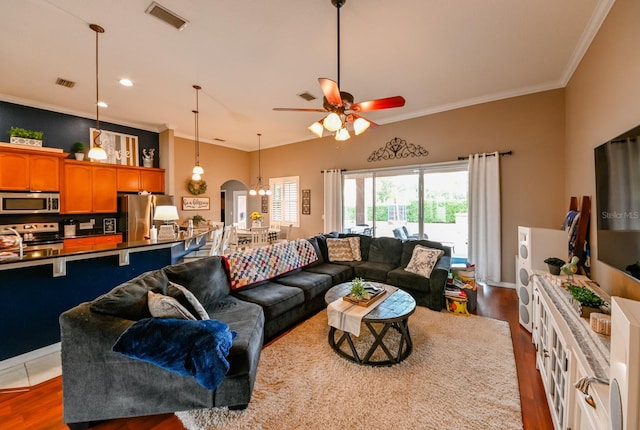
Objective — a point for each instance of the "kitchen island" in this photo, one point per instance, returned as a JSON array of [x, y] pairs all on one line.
[[42, 284]]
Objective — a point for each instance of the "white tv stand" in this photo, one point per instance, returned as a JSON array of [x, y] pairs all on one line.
[[567, 350]]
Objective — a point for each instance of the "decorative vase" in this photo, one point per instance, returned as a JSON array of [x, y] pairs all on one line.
[[147, 162], [554, 270], [79, 155], [256, 223]]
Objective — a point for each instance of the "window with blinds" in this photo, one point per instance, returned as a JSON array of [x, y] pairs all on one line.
[[285, 200]]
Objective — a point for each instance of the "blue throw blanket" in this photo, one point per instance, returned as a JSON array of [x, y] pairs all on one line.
[[186, 347]]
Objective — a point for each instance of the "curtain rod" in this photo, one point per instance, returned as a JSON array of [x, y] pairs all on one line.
[[489, 155]]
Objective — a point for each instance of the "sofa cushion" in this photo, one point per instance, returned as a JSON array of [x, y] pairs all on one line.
[[407, 249], [373, 271], [423, 260], [312, 284], [365, 243], [161, 306], [342, 250], [207, 278], [274, 298], [188, 348], [187, 299], [339, 272], [129, 300], [386, 250]]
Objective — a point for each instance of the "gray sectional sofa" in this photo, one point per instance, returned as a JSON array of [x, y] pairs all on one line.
[[99, 384]]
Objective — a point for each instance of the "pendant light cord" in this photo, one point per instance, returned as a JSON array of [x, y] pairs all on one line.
[[259, 162], [96, 139], [197, 125]]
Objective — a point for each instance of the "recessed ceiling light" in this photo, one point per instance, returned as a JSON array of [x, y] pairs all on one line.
[[126, 82], [103, 104]]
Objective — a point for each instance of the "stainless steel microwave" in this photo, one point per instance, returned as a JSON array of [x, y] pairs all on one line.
[[29, 203]]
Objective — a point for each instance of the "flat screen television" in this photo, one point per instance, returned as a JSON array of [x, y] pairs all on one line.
[[617, 164]]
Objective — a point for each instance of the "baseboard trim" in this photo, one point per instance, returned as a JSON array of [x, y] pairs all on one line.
[[29, 356]]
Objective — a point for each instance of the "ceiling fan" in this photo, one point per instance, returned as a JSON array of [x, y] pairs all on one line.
[[343, 112]]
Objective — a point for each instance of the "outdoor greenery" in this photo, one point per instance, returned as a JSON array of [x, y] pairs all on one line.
[[26, 134], [434, 211]]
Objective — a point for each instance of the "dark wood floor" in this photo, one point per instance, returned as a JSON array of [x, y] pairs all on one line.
[[41, 407]]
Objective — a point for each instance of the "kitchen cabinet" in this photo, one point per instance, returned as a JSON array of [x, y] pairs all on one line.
[[136, 179], [77, 242], [29, 170], [88, 188]]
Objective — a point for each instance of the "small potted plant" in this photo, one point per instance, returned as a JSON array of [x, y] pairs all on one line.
[[198, 219], [358, 291], [554, 264], [78, 150], [22, 136], [584, 300]]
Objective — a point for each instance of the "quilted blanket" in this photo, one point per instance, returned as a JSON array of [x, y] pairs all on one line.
[[261, 264]]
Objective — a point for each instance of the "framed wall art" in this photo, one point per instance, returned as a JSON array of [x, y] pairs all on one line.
[[120, 148], [195, 203], [109, 225], [264, 205], [306, 202]]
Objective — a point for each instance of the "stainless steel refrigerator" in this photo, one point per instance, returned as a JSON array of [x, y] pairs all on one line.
[[135, 214]]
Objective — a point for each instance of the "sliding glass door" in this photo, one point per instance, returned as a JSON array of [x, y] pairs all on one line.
[[428, 201]]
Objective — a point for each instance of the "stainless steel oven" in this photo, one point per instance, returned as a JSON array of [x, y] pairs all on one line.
[[29, 203]]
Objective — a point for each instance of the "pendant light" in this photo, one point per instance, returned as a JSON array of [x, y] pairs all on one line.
[[96, 152], [259, 188], [197, 169]]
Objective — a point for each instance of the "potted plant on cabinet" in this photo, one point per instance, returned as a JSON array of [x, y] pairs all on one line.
[[78, 150], [22, 136], [554, 264]]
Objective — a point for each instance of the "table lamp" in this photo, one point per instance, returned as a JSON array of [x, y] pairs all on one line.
[[166, 214]]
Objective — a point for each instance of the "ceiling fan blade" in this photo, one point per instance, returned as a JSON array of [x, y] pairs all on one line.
[[299, 110], [331, 91], [386, 103]]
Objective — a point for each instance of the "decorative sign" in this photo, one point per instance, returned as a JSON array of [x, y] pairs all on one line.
[[264, 205], [120, 148], [306, 202], [109, 225], [195, 203], [397, 148]]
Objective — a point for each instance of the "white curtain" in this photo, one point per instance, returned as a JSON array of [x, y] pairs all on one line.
[[484, 216], [332, 200]]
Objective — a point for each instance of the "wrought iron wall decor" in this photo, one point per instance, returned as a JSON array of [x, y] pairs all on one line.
[[397, 148]]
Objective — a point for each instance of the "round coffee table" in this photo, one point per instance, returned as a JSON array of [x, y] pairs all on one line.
[[392, 313]]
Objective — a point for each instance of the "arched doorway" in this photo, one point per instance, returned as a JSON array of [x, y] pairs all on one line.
[[233, 202]]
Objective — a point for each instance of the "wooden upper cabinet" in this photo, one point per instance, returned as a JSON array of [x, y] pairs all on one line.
[[27, 170], [88, 188], [105, 193], [135, 179], [76, 194]]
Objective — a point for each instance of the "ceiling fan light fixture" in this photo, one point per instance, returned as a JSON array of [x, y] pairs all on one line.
[[316, 128], [360, 125], [332, 122], [342, 134]]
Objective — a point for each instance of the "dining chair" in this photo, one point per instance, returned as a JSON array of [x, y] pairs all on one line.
[[275, 226], [259, 237], [216, 243]]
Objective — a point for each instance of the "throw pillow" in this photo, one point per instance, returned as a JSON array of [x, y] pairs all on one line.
[[423, 260], [188, 300], [161, 306], [355, 248], [339, 250], [188, 348]]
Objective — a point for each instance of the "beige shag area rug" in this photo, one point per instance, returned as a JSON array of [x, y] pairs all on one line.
[[460, 375]]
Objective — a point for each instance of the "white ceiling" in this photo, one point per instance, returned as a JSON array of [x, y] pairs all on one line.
[[250, 56]]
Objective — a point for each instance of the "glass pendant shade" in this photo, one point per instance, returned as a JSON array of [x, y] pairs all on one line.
[[196, 177], [197, 170], [342, 134], [360, 125], [253, 192], [332, 122], [316, 128], [97, 153]]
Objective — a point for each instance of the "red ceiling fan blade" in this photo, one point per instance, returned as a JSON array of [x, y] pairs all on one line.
[[300, 110], [331, 91], [386, 103]]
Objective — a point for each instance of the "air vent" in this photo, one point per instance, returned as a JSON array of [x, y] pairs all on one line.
[[167, 16], [65, 83], [218, 139], [308, 97]]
